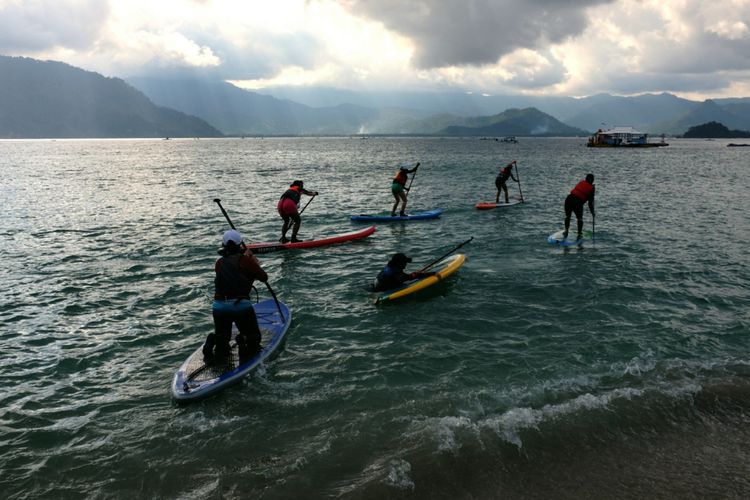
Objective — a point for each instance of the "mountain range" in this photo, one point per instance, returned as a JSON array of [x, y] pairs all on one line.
[[653, 113], [311, 110], [52, 99]]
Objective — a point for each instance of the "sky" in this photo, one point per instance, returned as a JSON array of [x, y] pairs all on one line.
[[696, 49]]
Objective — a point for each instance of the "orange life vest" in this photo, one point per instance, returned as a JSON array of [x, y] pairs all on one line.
[[293, 193], [401, 177]]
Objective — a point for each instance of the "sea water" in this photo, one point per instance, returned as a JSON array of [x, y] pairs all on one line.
[[617, 370]]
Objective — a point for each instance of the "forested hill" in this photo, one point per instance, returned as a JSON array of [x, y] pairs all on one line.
[[41, 99], [715, 130], [527, 122]]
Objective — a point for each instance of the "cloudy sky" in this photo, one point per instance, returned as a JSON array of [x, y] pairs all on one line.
[[693, 48]]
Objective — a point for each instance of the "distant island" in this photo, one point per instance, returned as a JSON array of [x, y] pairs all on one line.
[[42, 99], [714, 130]]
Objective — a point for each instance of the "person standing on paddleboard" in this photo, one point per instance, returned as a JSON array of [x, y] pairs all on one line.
[[503, 176], [582, 192], [287, 207], [236, 270], [399, 189], [393, 275]]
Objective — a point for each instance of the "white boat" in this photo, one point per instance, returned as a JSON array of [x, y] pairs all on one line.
[[622, 137]]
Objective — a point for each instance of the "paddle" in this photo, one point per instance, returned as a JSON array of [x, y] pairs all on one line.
[[270, 290], [412, 178], [226, 215], [518, 174], [311, 199], [444, 256], [593, 229]]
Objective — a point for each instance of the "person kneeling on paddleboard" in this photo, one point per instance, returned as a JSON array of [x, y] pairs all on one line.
[[582, 192], [393, 275], [236, 270], [399, 190], [287, 207], [503, 176]]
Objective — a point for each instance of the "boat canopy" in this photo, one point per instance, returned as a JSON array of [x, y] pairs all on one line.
[[623, 131]]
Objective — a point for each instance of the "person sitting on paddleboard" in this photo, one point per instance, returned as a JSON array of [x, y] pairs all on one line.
[[236, 270], [505, 173], [399, 190], [393, 275], [287, 207], [582, 192]]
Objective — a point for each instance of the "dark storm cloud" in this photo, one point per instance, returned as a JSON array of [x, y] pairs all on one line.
[[40, 26], [476, 32], [706, 53], [636, 83]]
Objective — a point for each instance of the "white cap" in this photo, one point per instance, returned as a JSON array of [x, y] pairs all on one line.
[[233, 236]]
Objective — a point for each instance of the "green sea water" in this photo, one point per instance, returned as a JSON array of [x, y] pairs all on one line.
[[617, 370]]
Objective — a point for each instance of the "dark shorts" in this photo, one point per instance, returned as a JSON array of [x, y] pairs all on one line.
[[575, 205], [239, 312], [397, 188], [499, 182]]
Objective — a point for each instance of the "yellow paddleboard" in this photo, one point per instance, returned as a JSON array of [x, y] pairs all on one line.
[[445, 268]]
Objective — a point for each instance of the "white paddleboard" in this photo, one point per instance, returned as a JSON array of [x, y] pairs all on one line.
[[571, 241]]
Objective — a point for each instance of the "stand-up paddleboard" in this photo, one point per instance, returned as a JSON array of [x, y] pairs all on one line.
[[429, 214], [487, 205], [443, 269], [196, 379], [571, 241], [319, 242]]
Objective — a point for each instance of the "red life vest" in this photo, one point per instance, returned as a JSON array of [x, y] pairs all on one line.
[[583, 191], [401, 177], [506, 172]]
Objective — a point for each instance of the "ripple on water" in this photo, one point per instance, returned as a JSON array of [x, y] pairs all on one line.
[[533, 371]]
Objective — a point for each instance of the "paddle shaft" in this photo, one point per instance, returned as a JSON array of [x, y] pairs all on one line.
[[278, 306], [518, 174], [311, 199], [593, 228], [444, 256], [270, 290], [412, 178], [226, 215]]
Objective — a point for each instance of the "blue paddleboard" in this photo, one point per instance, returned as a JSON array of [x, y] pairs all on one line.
[[196, 379], [430, 214]]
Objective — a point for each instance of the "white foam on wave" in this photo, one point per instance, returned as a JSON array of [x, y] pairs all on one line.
[[398, 475], [203, 491], [444, 429], [200, 422], [509, 424]]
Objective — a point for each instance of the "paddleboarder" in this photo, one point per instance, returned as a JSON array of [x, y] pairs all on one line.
[[502, 177], [399, 189], [583, 192], [287, 207], [393, 275], [236, 270]]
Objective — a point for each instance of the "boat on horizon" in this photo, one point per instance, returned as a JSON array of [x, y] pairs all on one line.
[[622, 137]]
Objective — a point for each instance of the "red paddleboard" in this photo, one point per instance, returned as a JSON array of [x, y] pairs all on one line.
[[319, 242], [486, 205]]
